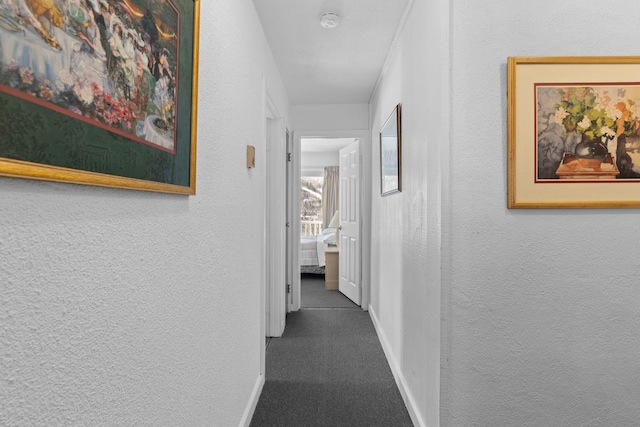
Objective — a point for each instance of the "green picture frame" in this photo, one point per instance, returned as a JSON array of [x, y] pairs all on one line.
[[101, 92]]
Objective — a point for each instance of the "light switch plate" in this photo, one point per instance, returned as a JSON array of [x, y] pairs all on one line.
[[251, 156]]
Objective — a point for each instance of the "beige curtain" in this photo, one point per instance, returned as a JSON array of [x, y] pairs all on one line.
[[330, 194]]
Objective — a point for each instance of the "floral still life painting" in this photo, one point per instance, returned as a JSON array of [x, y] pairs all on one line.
[[589, 129], [100, 86]]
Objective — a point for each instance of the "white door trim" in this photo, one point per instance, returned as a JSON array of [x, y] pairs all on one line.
[[365, 207], [291, 208], [275, 219]]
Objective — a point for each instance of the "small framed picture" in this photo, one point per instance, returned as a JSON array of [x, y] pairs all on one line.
[[391, 154]]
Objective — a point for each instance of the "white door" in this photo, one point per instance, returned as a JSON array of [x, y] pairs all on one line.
[[349, 232]]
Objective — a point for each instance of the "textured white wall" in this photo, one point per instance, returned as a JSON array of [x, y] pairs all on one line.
[[544, 303], [405, 255], [132, 308]]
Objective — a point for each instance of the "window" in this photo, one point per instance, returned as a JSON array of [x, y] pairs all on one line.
[[311, 205]]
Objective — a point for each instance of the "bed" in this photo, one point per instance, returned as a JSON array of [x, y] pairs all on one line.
[[312, 251]]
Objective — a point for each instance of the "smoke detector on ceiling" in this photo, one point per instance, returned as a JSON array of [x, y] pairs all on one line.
[[329, 20]]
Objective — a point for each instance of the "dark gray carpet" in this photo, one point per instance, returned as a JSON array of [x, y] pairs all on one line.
[[328, 369], [314, 295]]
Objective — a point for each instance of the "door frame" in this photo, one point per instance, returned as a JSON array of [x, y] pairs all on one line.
[[289, 210], [275, 221], [364, 136]]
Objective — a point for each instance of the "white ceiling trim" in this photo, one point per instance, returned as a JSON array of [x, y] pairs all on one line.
[[392, 48]]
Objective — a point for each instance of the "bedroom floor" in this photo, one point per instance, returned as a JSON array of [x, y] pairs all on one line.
[[328, 368]]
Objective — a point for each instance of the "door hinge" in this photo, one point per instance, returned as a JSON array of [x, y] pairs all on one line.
[[288, 288], [288, 157]]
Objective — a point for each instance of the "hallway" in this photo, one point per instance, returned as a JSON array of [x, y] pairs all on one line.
[[328, 369]]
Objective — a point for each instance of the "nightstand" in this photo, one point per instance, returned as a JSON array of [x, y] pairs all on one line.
[[331, 262]]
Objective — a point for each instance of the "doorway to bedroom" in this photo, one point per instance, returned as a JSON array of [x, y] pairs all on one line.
[[319, 252]]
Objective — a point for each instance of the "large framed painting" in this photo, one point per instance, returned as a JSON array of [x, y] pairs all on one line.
[[391, 154], [573, 132], [100, 92]]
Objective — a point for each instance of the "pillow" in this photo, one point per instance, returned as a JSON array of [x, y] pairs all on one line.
[[328, 236]]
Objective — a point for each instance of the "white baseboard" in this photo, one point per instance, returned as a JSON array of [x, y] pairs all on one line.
[[253, 402], [397, 373]]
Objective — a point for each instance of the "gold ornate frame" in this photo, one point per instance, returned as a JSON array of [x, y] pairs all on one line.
[[524, 187], [14, 168]]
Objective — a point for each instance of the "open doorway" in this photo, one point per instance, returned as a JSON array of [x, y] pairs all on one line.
[[319, 254]]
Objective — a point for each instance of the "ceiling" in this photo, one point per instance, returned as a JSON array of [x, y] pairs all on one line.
[[321, 145], [330, 66]]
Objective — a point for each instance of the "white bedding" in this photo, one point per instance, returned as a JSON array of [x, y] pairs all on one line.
[[312, 250]]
